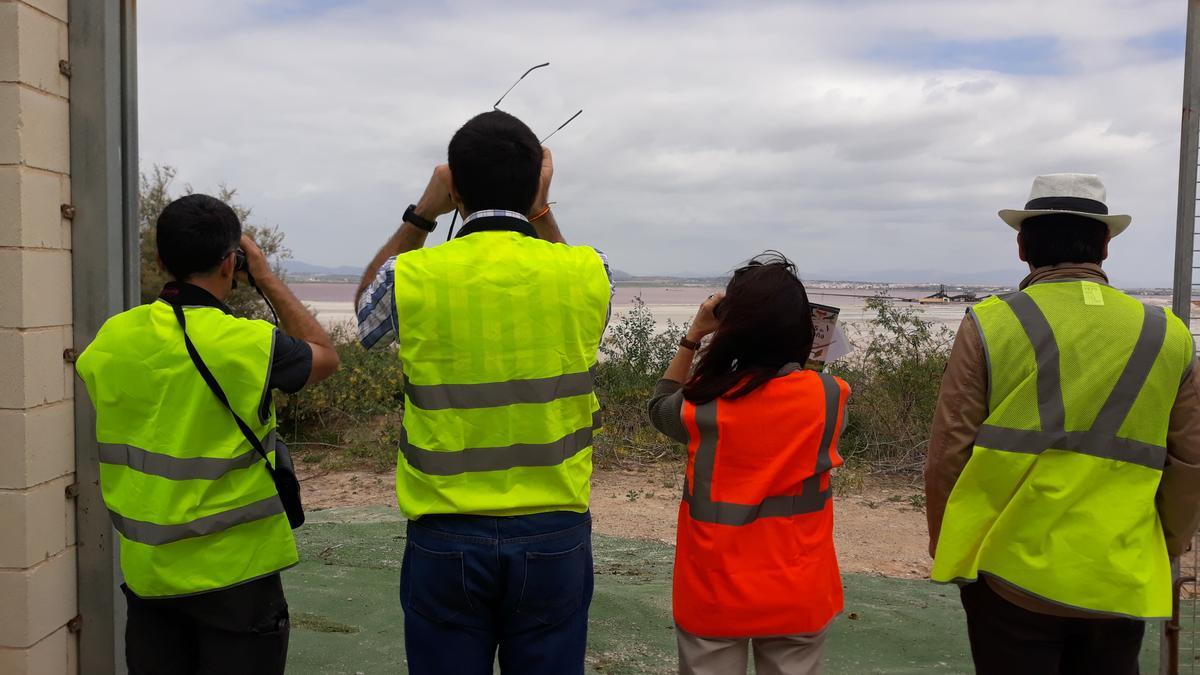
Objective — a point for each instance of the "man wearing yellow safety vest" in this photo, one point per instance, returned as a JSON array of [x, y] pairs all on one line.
[[498, 332], [1064, 466], [202, 529]]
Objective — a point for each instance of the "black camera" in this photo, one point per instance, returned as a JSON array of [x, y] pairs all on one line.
[[240, 264]]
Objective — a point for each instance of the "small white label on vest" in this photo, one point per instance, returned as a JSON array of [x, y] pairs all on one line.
[[1092, 295]]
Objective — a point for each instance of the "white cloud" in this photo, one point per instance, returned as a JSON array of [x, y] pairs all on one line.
[[710, 131]]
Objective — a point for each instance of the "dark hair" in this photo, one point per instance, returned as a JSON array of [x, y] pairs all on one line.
[[496, 160], [195, 233], [765, 324], [1058, 238]]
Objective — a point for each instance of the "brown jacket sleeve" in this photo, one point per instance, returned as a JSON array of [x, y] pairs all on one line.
[[1179, 492], [961, 409]]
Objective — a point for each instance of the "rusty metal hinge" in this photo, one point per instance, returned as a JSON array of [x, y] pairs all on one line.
[[72, 490], [75, 624], [69, 355], [68, 211], [64, 67]]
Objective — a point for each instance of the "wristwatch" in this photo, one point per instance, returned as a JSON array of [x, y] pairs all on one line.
[[410, 216], [688, 344]]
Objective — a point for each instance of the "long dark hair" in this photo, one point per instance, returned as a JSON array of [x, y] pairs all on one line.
[[765, 324]]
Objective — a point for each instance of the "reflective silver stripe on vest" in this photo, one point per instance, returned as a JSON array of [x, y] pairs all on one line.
[[1141, 361], [1101, 440], [1083, 442], [496, 394], [811, 499], [181, 468], [1045, 349], [453, 463], [154, 534]]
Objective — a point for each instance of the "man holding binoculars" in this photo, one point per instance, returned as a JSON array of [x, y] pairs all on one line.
[[185, 422], [498, 332]]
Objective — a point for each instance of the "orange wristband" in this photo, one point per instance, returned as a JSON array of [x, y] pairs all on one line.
[[543, 213]]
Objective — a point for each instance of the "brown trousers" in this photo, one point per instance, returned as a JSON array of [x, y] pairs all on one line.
[[786, 655]]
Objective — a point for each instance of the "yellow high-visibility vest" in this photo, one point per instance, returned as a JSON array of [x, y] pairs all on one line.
[[1058, 498], [498, 336], [190, 499]]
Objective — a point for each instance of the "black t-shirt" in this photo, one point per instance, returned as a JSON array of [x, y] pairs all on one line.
[[291, 363]]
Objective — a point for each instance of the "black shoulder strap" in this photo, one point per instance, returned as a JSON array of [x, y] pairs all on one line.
[[216, 389]]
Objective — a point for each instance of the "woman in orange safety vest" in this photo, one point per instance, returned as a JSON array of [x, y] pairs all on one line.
[[755, 562]]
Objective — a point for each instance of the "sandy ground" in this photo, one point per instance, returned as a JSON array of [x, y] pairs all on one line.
[[879, 530]]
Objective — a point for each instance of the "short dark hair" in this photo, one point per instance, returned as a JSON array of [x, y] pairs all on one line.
[[495, 161], [195, 233], [1058, 238]]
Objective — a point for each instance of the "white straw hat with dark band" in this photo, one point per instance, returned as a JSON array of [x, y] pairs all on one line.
[[1080, 194]]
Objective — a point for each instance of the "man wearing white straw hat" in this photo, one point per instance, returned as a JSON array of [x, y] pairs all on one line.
[[1063, 470]]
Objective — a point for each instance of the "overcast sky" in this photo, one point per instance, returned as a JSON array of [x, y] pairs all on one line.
[[865, 139]]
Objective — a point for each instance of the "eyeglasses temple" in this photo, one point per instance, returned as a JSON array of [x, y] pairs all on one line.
[[496, 105], [560, 127]]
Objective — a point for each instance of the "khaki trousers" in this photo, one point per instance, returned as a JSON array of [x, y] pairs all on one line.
[[786, 655]]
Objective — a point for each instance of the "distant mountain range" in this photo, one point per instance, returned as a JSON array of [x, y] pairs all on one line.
[[302, 269]]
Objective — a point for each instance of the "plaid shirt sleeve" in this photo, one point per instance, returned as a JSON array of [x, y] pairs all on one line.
[[377, 308], [612, 285]]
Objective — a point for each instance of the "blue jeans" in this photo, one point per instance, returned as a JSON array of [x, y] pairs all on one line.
[[473, 584]]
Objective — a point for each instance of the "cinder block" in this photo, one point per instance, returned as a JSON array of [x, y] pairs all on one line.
[[35, 288], [34, 522], [10, 107], [45, 125], [38, 444], [41, 44], [52, 655], [31, 367], [55, 8], [30, 208], [10, 61], [37, 601], [41, 135], [11, 227]]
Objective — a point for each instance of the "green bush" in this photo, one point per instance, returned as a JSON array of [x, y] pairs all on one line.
[[895, 372], [634, 356], [351, 420]]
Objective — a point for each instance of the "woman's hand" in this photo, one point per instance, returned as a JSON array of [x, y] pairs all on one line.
[[706, 319]]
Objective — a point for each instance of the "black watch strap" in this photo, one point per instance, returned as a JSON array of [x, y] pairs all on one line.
[[410, 216]]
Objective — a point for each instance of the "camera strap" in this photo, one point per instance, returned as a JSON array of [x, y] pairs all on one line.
[[212, 383], [254, 285]]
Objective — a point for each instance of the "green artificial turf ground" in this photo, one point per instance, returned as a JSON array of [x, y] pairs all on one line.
[[346, 616]]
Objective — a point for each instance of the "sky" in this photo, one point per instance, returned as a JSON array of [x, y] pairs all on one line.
[[865, 139]]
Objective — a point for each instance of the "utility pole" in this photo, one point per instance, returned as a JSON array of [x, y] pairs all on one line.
[[1181, 299], [1185, 231]]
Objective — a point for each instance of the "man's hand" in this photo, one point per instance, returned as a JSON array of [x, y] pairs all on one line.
[[542, 199], [256, 261], [436, 200]]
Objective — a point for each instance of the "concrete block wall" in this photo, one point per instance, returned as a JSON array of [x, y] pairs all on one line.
[[37, 444]]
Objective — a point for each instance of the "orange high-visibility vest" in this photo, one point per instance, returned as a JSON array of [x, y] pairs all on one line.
[[755, 555]]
